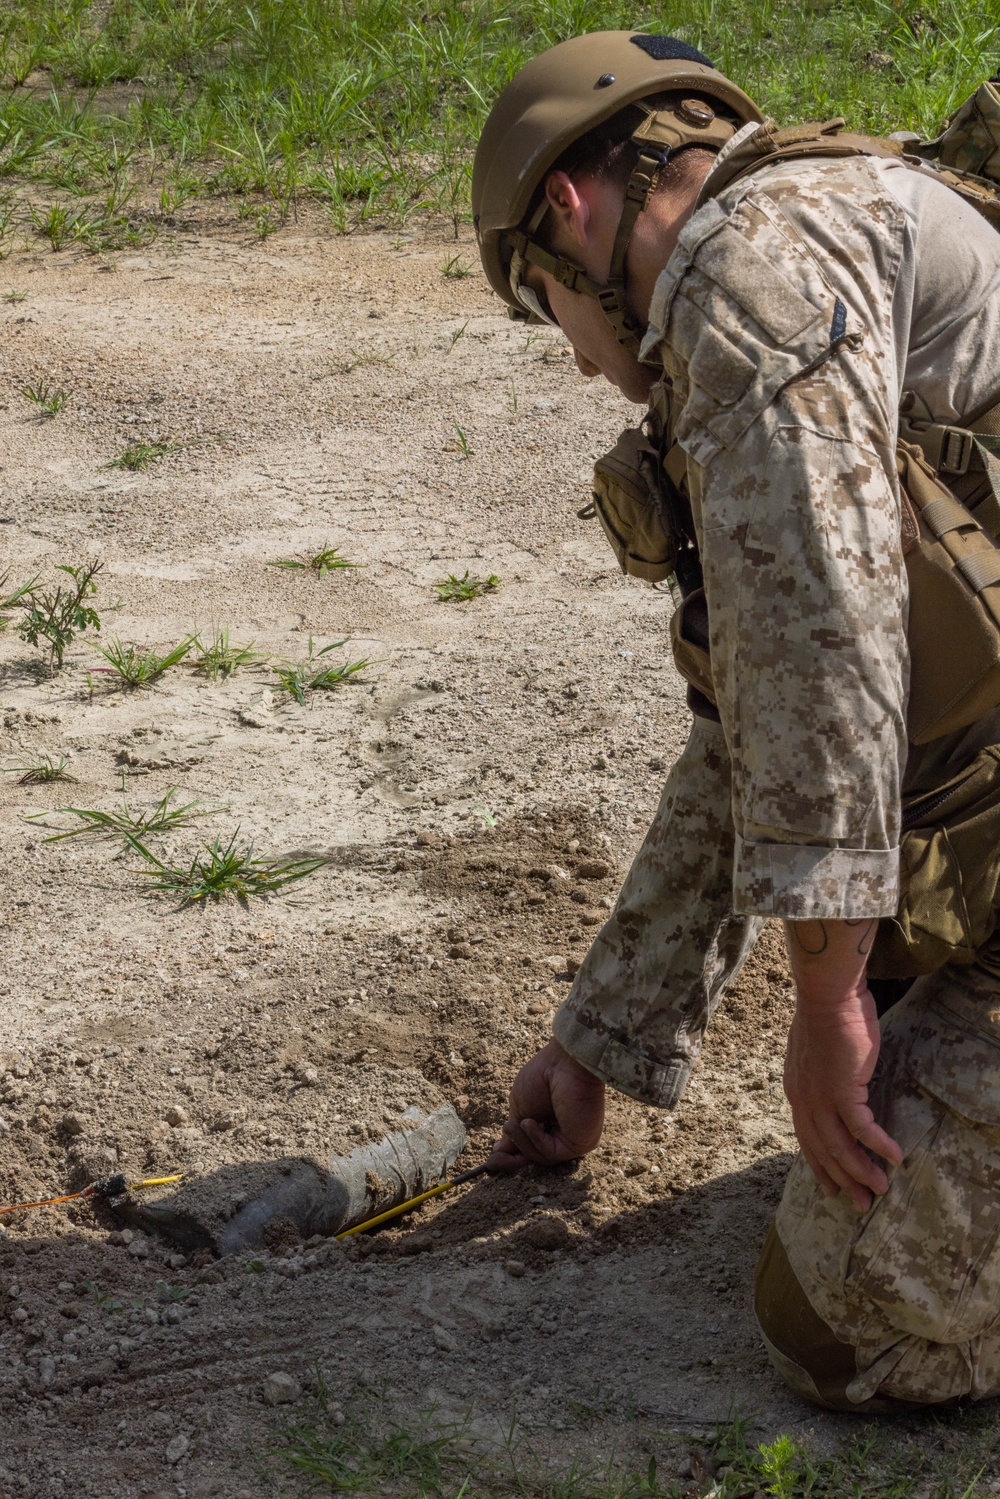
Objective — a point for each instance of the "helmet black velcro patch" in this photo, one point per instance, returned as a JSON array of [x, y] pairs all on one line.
[[670, 49]]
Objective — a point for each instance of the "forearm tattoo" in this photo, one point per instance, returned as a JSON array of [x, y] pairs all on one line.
[[813, 937]]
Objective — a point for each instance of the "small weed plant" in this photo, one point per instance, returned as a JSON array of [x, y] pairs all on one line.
[[138, 455], [220, 656], [453, 590], [456, 269], [42, 772], [49, 402], [53, 618], [460, 443], [223, 869], [13, 297], [302, 678], [357, 361], [165, 817], [135, 666], [326, 560]]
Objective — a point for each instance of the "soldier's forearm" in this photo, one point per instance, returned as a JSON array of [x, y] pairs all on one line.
[[828, 959]]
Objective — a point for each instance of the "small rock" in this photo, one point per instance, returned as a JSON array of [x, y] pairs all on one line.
[[638, 1166], [546, 1232], [175, 1115], [19, 1314], [307, 1076], [281, 1389], [139, 1249], [74, 1124], [556, 963], [460, 950], [515, 1268], [539, 1006], [177, 1261], [177, 1448], [46, 1372], [444, 1340], [657, 762], [593, 869], [21, 1068]]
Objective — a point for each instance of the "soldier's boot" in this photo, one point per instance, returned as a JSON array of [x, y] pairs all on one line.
[[900, 1306]]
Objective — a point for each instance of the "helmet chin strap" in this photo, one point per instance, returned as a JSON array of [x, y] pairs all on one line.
[[662, 134]]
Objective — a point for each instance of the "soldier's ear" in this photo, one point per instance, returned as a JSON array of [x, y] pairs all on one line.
[[571, 209]]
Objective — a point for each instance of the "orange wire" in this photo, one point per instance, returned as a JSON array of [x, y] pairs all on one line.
[[48, 1203]]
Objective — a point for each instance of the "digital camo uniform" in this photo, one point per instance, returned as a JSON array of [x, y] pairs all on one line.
[[794, 312]]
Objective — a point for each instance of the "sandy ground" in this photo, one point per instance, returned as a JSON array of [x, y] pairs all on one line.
[[496, 749]]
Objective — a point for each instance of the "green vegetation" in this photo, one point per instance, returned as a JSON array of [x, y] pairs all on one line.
[[223, 869], [44, 770], [326, 560], [365, 1448], [15, 596], [138, 455], [49, 402], [54, 618], [136, 667], [114, 114], [456, 590], [303, 677], [163, 818], [222, 656]]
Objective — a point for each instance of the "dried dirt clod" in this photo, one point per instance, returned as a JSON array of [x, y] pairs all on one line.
[[281, 1389], [74, 1124], [546, 1232], [177, 1448], [593, 869], [444, 1340], [175, 1115], [638, 1166], [514, 1268], [460, 950]]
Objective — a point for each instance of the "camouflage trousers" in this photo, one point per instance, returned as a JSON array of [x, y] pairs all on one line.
[[901, 1305]]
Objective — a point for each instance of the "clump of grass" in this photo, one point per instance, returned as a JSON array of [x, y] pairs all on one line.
[[165, 817], [220, 870], [49, 402], [137, 667], [57, 616], [137, 455], [460, 444], [456, 590], [13, 297], [356, 360], [44, 770], [326, 560], [312, 675], [221, 656], [456, 268]]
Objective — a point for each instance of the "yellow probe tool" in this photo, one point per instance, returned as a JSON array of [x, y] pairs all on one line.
[[413, 1202]]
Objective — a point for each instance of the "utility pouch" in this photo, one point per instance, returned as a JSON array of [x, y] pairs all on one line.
[[953, 567], [628, 505], [949, 872], [970, 143]]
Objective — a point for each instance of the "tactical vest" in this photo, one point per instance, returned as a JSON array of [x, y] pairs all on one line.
[[949, 474], [949, 477]]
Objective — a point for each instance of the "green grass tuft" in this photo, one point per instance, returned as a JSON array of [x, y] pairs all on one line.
[[136, 456], [326, 560], [49, 402], [136, 667], [456, 590], [220, 657], [44, 770], [163, 818], [300, 678], [221, 870]]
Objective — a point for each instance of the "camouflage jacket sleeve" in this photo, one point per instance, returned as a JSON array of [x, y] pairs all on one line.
[[775, 320], [640, 1004]]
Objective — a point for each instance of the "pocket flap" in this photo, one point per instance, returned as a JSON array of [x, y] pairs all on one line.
[[955, 1053]]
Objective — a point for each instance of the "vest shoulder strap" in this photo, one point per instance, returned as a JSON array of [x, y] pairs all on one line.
[[768, 145]]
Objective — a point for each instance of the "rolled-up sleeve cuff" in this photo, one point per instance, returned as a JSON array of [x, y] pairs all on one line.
[[799, 882], [659, 1083]]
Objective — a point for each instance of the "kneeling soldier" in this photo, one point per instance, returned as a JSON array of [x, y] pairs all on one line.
[[814, 320]]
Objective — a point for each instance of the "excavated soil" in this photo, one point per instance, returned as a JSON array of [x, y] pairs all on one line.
[[478, 791]]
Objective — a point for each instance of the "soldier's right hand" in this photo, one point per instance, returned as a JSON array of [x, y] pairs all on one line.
[[556, 1113]]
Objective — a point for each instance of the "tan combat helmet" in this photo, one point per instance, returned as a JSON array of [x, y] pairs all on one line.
[[552, 102]]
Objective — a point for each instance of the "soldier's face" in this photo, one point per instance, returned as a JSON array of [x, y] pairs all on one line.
[[595, 348]]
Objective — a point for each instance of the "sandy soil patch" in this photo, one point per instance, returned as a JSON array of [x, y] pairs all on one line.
[[496, 751]]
